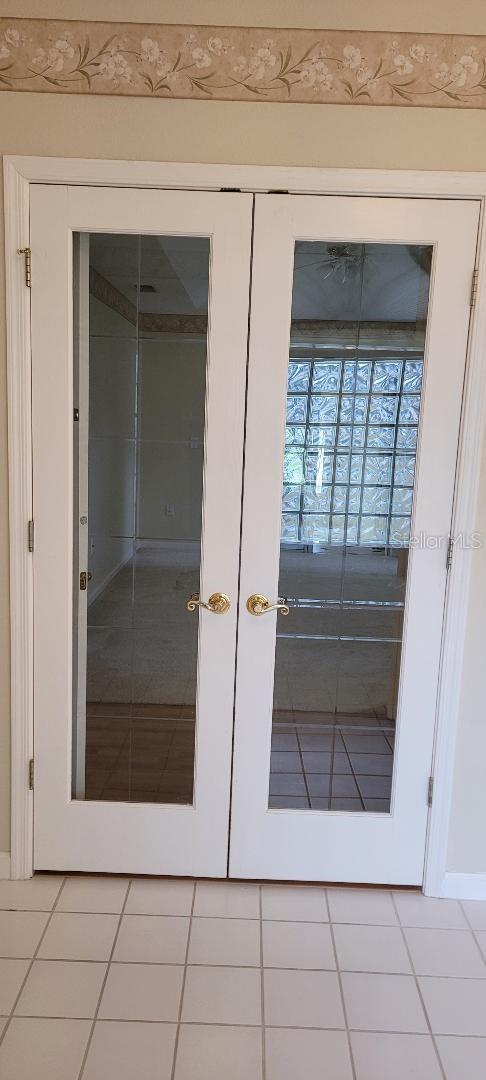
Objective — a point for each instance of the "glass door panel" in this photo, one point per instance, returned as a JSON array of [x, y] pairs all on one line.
[[134, 730], [353, 405]]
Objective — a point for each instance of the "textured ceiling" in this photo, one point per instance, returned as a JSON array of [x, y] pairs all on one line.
[[372, 282]]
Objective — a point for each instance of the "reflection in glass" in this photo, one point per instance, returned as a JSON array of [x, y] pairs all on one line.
[[137, 516], [353, 403]]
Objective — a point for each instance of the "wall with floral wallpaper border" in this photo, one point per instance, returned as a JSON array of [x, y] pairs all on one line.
[[111, 120], [347, 67]]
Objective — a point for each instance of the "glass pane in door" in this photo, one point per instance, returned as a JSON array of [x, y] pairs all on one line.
[[353, 408], [140, 377]]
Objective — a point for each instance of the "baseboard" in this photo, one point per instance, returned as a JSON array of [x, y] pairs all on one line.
[[464, 886], [4, 864], [95, 590]]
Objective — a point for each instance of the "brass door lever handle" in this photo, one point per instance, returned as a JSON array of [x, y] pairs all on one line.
[[259, 605], [219, 603]]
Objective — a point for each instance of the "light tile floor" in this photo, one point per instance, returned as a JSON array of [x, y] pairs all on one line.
[[110, 979]]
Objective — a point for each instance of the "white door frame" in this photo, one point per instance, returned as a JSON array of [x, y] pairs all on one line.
[[19, 173]]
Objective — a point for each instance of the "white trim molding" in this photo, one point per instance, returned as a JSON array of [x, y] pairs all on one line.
[[457, 599], [307, 180], [463, 886], [20, 172], [20, 513]]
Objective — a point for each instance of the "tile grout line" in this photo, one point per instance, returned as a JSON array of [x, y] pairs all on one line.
[[257, 1027], [473, 932], [341, 990], [104, 981], [31, 964], [350, 763], [230, 918], [304, 774], [331, 766], [114, 768], [183, 985], [262, 986], [417, 985], [169, 749], [340, 727], [250, 967]]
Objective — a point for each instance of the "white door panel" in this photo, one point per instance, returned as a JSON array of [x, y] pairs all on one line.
[[112, 829], [331, 659]]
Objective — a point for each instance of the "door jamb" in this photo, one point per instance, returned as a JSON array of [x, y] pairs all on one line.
[[19, 173]]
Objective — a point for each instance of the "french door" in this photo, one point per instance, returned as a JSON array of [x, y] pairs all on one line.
[[360, 313], [227, 685], [139, 324]]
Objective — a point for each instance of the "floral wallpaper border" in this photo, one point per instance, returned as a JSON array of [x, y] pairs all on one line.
[[345, 67]]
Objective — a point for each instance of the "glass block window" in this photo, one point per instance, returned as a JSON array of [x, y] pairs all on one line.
[[350, 446]]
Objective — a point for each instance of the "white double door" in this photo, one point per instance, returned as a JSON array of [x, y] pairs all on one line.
[[197, 445]]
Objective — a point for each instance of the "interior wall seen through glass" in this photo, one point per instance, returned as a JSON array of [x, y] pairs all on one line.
[[140, 367]]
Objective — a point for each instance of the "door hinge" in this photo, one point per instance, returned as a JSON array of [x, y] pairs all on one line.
[[30, 535], [26, 252], [31, 774], [76, 415], [450, 552], [430, 791], [474, 287]]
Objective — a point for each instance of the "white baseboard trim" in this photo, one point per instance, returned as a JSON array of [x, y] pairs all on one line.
[[4, 864], [464, 886], [95, 590]]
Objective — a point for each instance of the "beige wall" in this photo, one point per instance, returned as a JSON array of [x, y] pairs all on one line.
[[172, 399], [278, 134], [112, 395], [467, 840]]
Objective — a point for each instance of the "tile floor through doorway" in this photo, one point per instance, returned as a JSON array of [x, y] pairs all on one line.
[[107, 978], [325, 763]]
